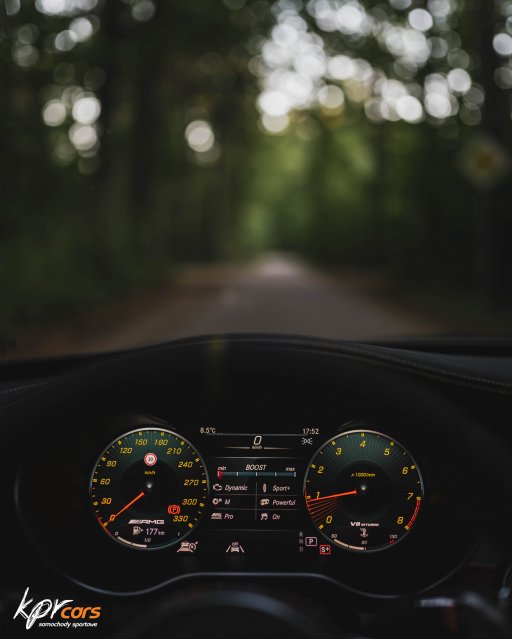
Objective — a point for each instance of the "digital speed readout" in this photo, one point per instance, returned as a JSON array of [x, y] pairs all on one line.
[[256, 492]]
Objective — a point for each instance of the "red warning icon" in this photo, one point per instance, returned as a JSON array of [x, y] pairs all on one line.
[[150, 459]]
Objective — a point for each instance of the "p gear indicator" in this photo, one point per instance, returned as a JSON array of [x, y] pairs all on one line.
[[149, 488]]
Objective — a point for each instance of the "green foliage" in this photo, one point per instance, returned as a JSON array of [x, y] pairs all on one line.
[[97, 206]]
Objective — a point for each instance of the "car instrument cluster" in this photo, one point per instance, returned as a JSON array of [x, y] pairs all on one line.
[[221, 465], [359, 491], [143, 501], [257, 463]]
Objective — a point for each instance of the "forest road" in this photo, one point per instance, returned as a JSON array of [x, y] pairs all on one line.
[[280, 294], [276, 294]]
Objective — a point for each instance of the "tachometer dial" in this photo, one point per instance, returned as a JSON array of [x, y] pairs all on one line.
[[149, 488], [363, 490]]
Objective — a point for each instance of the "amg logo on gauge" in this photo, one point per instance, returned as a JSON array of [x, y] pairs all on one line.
[[149, 488]]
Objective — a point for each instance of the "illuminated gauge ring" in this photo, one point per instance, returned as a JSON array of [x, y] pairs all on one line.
[[149, 488], [363, 491]]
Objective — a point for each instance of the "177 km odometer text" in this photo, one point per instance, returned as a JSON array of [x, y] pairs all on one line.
[[149, 488]]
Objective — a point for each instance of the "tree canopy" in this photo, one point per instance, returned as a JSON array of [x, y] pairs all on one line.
[[139, 135]]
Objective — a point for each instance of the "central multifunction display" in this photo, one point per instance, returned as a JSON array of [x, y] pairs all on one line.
[[349, 489], [256, 479], [260, 492]]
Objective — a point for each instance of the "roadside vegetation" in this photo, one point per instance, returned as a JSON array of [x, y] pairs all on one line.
[[140, 136]]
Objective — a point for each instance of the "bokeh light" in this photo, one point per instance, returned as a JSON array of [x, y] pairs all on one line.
[[143, 10], [332, 98], [82, 28], [275, 125], [54, 113], [83, 136], [65, 7], [459, 81], [86, 109], [297, 70], [65, 40], [25, 55], [409, 109], [420, 20], [502, 44], [200, 137]]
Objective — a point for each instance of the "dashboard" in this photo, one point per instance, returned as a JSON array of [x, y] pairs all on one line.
[[257, 459]]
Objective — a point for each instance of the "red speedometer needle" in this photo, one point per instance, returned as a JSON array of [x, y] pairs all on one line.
[[112, 517], [350, 492]]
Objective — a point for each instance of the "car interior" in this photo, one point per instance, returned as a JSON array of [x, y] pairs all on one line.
[[252, 416], [256, 319]]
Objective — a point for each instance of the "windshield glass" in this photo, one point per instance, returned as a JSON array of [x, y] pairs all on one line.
[[337, 168]]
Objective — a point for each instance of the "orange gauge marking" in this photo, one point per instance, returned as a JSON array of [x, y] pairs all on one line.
[[350, 492], [112, 517]]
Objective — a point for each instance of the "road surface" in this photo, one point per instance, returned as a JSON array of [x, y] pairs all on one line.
[[277, 294]]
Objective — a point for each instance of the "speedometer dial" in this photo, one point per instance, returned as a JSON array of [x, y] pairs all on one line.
[[363, 490], [149, 488]]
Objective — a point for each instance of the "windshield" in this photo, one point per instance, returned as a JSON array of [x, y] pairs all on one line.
[[336, 168]]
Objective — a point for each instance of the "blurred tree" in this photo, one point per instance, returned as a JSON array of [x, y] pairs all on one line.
[[141, 134], [440, 67]]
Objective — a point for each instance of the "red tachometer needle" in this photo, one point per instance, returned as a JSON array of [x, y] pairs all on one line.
[[112, 517], [350, 492]]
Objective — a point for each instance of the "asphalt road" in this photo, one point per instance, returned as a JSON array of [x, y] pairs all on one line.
[[277, 294]]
